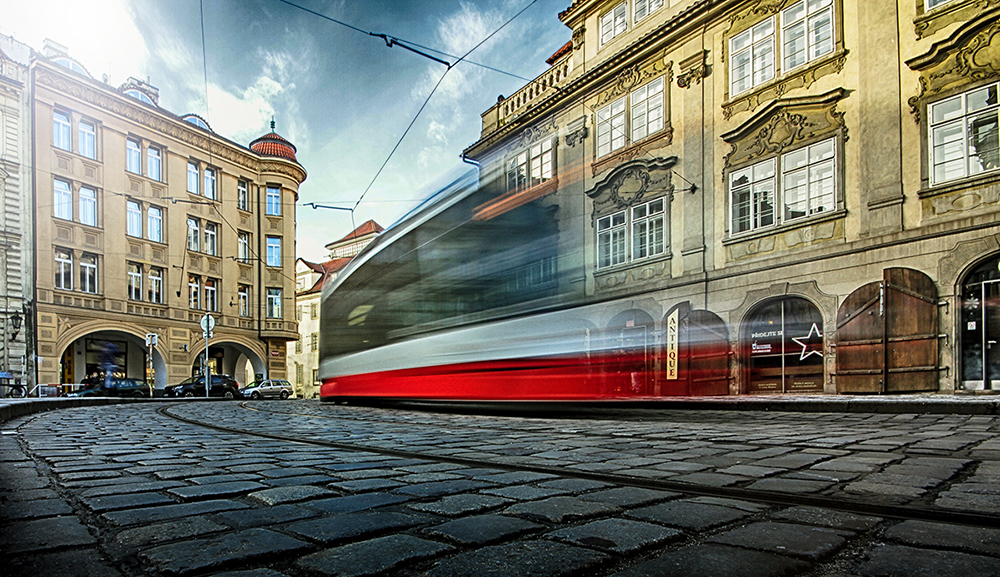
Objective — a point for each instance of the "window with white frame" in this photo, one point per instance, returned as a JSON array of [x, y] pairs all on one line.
[[154, 164], [194, 235], [517, 171], [314, 342], [274, 303], [133, 156], [243, 246], [930, 4], [242, 195], [614, 22], [192, 177], [194, 292], [643, 8], [87, 139], [154, 224], [273, 201], [211, 295], [88, 206], [64, 269], [135, 282], [964, 134], [243, 292], [62, 200], [273, 251], [88, 273], [155, 288], [631, 118], [211, 236], [133, 219], [641, 226], [61, 129], [806, 33], [210, 183], [540, 162], [803, 182]]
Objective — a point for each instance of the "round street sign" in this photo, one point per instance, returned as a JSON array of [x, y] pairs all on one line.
[[207, 322]]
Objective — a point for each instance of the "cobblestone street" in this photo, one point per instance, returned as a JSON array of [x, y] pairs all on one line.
[[303, 488]]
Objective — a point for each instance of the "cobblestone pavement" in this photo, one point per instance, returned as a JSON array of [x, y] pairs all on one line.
[[302, 488]]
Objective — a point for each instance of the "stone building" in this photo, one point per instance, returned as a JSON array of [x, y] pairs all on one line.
[[15, 199], [146, 222], [773, 196], [303, 354]]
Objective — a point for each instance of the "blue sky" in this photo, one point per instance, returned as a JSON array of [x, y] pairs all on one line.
[[342, 97]]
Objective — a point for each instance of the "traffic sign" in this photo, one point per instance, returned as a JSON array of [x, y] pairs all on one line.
[[207, 322]]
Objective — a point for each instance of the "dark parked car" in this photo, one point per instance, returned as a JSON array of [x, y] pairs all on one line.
[[222, 386], [271, 388], [116, 388]]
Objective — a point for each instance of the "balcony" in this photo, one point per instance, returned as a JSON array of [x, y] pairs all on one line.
[[545, 85]]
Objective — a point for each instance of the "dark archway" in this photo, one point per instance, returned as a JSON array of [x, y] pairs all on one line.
[[782, 344]]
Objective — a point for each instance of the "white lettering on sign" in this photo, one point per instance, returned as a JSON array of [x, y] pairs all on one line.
[[672, 345]]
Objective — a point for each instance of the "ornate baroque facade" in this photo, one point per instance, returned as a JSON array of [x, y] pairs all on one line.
[[806, 191]]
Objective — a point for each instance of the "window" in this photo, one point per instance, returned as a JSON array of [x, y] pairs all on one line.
[[135, 282], [644, 8], [88, 273], [273, 251], [88, 206], [87, 136], [242, 196], [274, 303], [61, 131], [153, 164], [312, 310], [647, 110], [192, 185], [929, 4], [298, 313], [806, 34], [517, 171], [298, 373], [803, 182], [211, 295], [154, 224], [64, 269], [133, 219], [647, 223], [194, 233], [314, 342], [611, 240], [155, 285], [194, 292], [133, 157], [62, 200], [298, 346], [244, 295], [963, 133], [273, 201], [541, 162], [243, 244], [614, 22], [611, 127], [210, 183], [211, 233]]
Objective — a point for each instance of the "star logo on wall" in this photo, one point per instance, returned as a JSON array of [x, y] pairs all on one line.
[[808, 340]]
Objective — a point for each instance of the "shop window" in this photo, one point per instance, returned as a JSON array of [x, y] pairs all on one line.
[[783, 343]]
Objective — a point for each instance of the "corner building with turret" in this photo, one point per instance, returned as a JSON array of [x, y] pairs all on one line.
[[773, 196], [147, 221]]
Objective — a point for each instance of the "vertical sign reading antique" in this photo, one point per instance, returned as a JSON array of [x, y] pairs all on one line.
[[673, 320]]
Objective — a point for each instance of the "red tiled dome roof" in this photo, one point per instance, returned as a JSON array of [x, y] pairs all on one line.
[[273, 144]]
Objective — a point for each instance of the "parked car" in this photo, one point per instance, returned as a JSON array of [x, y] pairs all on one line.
[[271, 388], [115, 388], [222, 386]]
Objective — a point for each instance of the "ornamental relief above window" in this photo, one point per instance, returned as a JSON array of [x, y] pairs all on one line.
[[969, 56], [934, 15], [783, 125], [632, 184]]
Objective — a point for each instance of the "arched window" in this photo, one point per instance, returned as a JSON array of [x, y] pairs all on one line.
[[783, 345]]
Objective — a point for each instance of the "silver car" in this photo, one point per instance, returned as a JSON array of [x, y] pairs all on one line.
[[271, 388]]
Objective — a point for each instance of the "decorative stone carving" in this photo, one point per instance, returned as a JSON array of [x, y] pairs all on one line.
[[695, 68], [576, 131], [634, 76], [631, 183], [810, 234], [754, 13], [971, 54], [963, 200], [962, 256], [832, 64], [578, 36], [752, 248], [783, 124], [930, 22]]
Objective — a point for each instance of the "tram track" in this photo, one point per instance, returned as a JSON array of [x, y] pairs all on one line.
[[837, 502]]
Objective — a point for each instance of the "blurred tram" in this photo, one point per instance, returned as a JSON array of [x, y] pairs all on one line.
[[480, 295]]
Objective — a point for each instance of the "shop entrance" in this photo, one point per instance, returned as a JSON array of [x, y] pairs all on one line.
[[783, 342], [980, 328]]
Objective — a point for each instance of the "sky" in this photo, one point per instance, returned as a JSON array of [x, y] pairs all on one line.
[[340, 95]]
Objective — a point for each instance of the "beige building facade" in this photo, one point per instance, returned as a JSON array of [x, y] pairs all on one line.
[[773, 196], [146, 222]]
